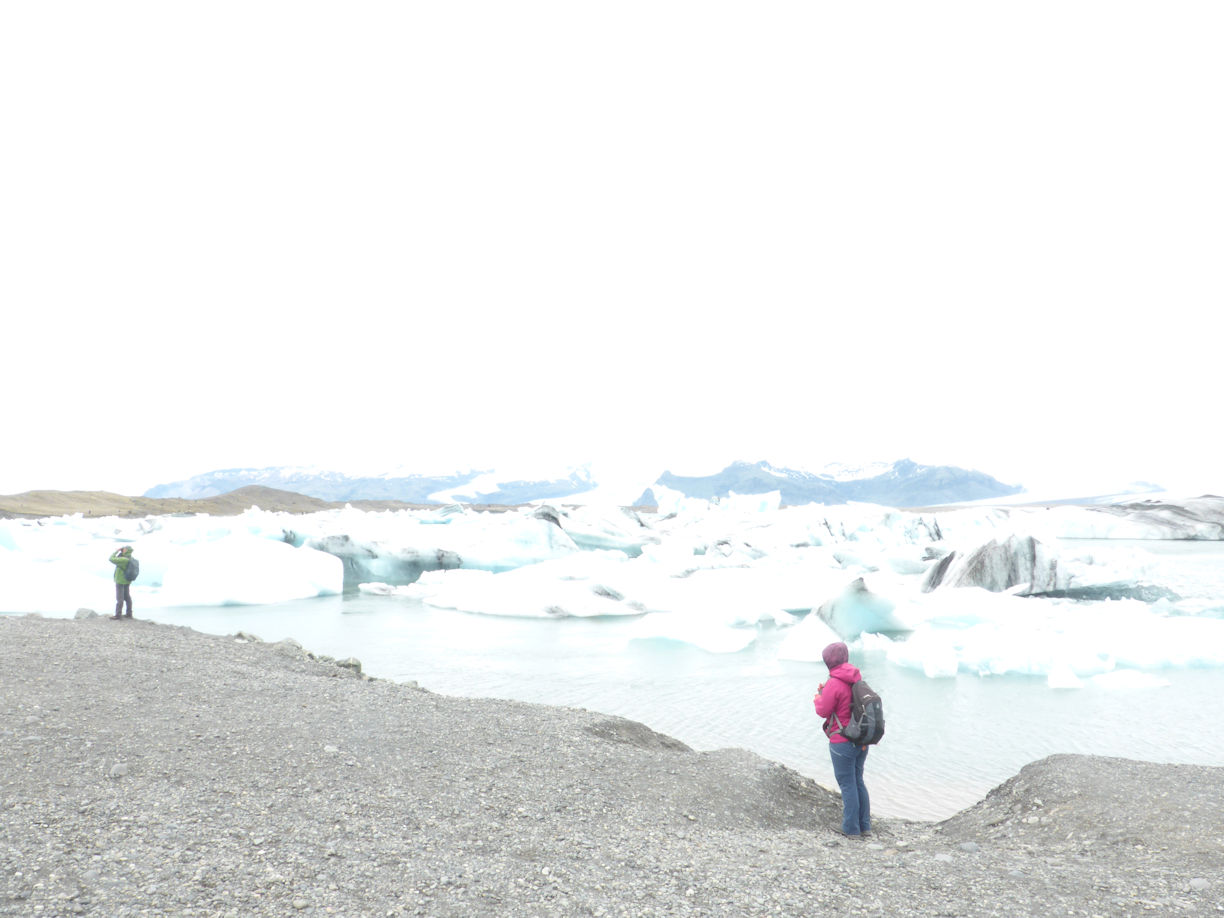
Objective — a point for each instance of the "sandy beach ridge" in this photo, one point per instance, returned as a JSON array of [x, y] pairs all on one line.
[[41, 504]]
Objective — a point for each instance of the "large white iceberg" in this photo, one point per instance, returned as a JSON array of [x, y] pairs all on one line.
[[244, 570], [1068, 594]]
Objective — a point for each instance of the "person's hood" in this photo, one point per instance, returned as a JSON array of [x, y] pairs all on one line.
[[846, 672]]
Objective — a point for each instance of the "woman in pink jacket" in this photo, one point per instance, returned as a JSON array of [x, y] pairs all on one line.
[[833, 697]]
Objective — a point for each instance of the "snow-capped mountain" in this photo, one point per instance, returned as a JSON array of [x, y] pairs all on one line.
[[901, 484]]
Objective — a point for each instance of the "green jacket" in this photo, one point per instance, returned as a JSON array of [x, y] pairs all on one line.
[[121, 562]]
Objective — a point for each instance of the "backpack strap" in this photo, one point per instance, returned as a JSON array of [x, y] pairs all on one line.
[[828, 724]]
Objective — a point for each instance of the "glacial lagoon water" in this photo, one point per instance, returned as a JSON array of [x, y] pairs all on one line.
[[949, 740]]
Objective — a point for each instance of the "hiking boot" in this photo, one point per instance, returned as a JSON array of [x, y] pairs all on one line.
[[116, 616], [129, 615]]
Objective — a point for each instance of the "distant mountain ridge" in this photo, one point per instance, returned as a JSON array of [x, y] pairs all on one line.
[[903, 484]]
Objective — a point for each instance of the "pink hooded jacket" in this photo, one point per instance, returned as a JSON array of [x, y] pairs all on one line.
[[835, 698]]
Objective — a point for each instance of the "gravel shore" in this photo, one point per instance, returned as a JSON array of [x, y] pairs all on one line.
[[153, 770]]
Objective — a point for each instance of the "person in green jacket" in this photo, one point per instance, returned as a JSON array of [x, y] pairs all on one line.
[[123, 586]]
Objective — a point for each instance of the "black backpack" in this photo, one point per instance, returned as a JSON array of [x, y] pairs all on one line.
[[132, 571], [866, 726]]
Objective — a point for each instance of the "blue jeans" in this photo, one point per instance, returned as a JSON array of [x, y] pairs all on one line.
[[848, 761]]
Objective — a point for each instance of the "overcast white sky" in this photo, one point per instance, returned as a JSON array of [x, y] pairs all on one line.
[[438, 235]]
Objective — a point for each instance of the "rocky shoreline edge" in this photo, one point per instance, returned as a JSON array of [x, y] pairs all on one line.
[[149, 769]]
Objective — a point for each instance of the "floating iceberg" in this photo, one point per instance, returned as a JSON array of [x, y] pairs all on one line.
[[244, 570], [1067, 594], [857, 610], [1017, 561], [534, 591]]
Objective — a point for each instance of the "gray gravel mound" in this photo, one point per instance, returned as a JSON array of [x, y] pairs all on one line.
[[153, 770]]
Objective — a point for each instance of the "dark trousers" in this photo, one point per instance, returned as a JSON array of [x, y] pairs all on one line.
[[123, 594]]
